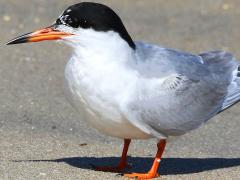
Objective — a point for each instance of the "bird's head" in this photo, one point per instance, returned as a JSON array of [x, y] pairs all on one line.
[[77, 21]]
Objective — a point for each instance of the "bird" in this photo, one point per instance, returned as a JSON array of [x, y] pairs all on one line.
[[135, 90]]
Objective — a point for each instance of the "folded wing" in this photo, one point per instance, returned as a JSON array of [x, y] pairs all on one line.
[[181, 91]]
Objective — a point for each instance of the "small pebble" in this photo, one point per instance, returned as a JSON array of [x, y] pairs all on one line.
[[42, 174], [21, 26], [6, 18], [36, 20], [83, 144], [225, 7], [27, 59]]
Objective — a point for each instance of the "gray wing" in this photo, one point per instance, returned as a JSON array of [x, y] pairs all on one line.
[[193, 90], [227, 69]]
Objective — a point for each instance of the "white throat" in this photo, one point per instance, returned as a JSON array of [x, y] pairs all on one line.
[[88, 43]]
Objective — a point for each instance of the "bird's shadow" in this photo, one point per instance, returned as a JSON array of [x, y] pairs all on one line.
[[169, 166]]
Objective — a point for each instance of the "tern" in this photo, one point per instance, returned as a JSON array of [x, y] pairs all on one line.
[[135, 90]]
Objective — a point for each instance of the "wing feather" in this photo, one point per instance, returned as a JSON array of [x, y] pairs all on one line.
[[191, 90]]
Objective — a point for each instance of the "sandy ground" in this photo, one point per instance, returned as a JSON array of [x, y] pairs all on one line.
[[41, 136]]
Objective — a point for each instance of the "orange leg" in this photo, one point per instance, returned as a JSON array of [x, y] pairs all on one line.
[[123, 162], [153, 171]]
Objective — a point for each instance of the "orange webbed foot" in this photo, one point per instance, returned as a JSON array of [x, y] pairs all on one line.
[[153, 171], [140, 176]]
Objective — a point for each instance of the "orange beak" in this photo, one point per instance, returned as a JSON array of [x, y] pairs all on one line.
[[49, 33]]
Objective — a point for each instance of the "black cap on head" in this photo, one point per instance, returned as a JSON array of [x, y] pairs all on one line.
[[96, 16]]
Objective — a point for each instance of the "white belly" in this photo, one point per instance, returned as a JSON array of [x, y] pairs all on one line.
[[98, 105]]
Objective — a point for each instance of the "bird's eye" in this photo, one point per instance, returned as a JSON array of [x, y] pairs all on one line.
[[76, 23], [85, 24]]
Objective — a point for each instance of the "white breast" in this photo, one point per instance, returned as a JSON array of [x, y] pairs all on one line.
[[101, 97], [101, 87]]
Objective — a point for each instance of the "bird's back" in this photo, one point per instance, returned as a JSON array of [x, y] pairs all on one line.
[[186, 90]]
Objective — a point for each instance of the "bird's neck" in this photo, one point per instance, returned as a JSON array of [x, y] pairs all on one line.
[[102, 47]]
